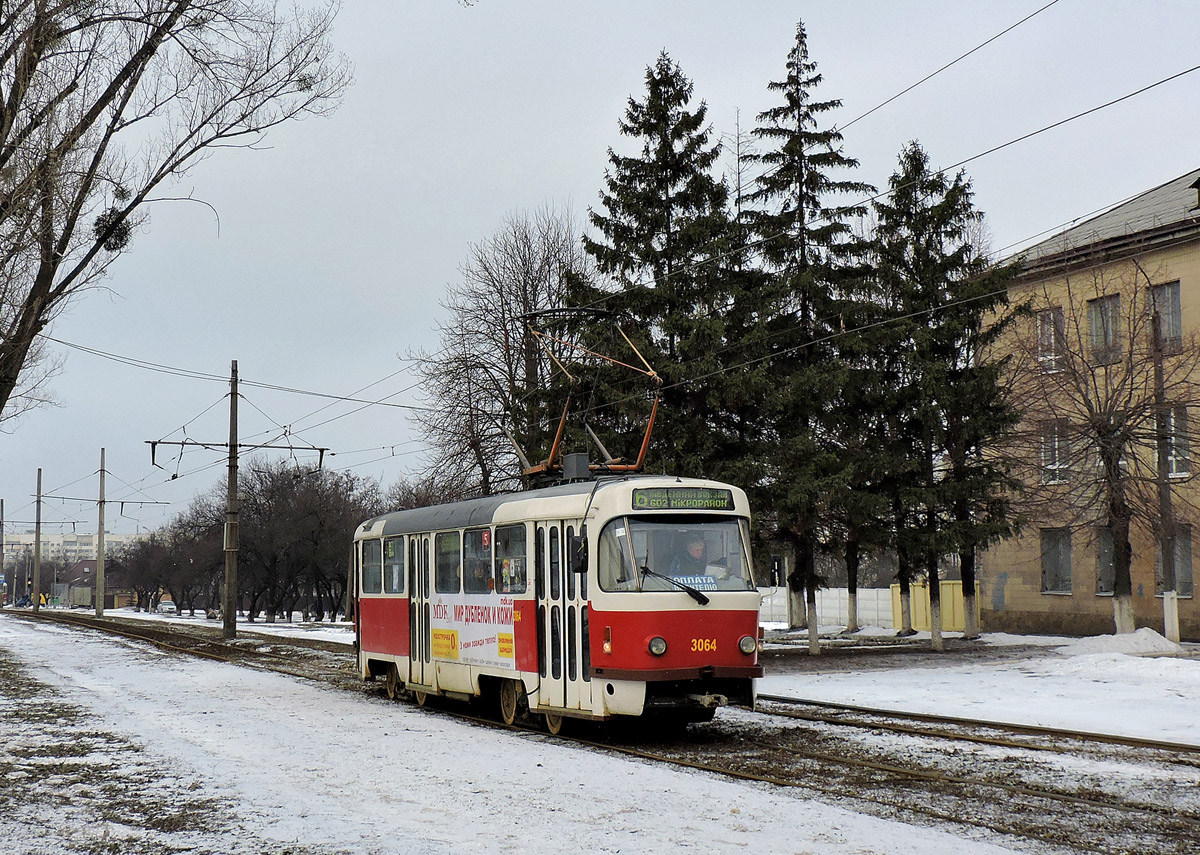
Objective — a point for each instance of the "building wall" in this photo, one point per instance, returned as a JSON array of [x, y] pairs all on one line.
[[1012, 598]]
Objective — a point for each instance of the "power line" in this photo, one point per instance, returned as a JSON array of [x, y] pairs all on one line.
[[200, 375], [955, 61]]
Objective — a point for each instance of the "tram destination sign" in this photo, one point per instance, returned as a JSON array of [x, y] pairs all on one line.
[[682, 499]]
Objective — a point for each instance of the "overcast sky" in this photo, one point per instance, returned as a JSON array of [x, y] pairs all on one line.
[[335, 244]]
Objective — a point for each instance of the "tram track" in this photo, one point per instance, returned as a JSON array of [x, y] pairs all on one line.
[[957, 728], [984, 775]]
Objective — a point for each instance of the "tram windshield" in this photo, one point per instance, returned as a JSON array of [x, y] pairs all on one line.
[[671, 553]]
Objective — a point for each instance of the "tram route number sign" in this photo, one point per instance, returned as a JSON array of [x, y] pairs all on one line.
[[682, 499]]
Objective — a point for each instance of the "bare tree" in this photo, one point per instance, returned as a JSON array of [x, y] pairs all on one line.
[[1085, 371], [102, 104], [490, 373]]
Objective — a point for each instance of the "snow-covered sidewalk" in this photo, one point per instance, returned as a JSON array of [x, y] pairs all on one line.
[[1129, 685]]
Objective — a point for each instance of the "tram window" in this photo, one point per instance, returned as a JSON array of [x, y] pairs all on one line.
[[614, 560], [448, 568], [555, 564], [477, 560], [372, 566], [586, 647], [393, 565], [572, 642], [541, 633], [510, 559], [569, 538], [707, 553], [555, 642], [539, 557]]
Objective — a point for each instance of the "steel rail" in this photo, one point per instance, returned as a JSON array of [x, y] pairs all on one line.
[[1030, 729]]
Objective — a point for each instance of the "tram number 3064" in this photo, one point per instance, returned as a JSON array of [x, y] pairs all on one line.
[[704, 645]]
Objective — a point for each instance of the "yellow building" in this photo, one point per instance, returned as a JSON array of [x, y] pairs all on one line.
[[1110, 300]]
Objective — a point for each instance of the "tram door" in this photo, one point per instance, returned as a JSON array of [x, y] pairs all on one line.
[[418, 610], [562, 619]]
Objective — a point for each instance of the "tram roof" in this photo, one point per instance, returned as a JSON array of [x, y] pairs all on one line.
[[481, 511], [475, 512]]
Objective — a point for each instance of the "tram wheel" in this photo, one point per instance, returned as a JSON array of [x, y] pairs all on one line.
[[554, 723], [509, 695], [421, 698], [393, 682]]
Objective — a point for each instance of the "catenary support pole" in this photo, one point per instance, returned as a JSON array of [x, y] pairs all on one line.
[[1166, 514], [100, 546], [37, 548], [229, 604]]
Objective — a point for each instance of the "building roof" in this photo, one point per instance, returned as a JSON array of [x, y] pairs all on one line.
[[1159, 217]]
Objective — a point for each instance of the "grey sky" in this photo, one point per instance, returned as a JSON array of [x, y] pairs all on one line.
[[336, 242]]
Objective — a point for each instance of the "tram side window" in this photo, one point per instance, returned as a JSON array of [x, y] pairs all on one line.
[[477, 559], [511, 568], [372, 566], [615, 566], [393, 565], [448, 568]]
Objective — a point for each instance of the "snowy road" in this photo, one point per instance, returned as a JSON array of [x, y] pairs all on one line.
[[111, 747]]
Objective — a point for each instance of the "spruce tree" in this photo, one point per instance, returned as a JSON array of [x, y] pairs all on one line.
[[661, 236], [805, 244], [949, 306]]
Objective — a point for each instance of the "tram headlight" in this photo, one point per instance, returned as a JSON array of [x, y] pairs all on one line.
[[747, 644], [657, 645]]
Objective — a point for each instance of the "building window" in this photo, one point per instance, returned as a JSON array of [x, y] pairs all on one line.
[[1054, 452], [1106, 570], [1183, 562], [1056, 561], [1179, 451], [1051, 339], [1165, 300], [1104, 318]]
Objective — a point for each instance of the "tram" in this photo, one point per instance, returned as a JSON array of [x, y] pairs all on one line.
[[618, 596]]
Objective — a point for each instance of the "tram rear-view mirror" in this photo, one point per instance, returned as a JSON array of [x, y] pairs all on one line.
[[579, 551]]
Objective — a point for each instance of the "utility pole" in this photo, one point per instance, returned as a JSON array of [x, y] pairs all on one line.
[[37, 548], [1166, 516], [229, 604], [100, 546]]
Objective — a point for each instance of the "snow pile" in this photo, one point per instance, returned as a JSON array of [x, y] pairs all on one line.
[[1144, 641]]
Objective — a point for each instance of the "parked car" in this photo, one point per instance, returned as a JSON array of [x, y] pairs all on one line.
[[166, 607]]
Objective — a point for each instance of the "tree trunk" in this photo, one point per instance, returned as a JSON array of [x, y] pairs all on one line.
[[904, 577], [852, 559], [1123, 618], [814, 627], [1123, 613], [966, 563], [935, 605]]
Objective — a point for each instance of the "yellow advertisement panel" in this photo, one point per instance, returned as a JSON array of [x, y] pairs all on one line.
[[506, 645], [445, 643]]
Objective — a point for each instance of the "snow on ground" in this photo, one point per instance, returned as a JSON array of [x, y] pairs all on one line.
[[274, 764], [1139, 684], [341, 632]]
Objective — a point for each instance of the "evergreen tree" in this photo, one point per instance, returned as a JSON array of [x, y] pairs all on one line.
[[950, 307], [661, 236], [805, 245]]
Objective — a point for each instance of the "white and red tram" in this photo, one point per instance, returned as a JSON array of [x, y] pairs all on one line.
[[613, 597]]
